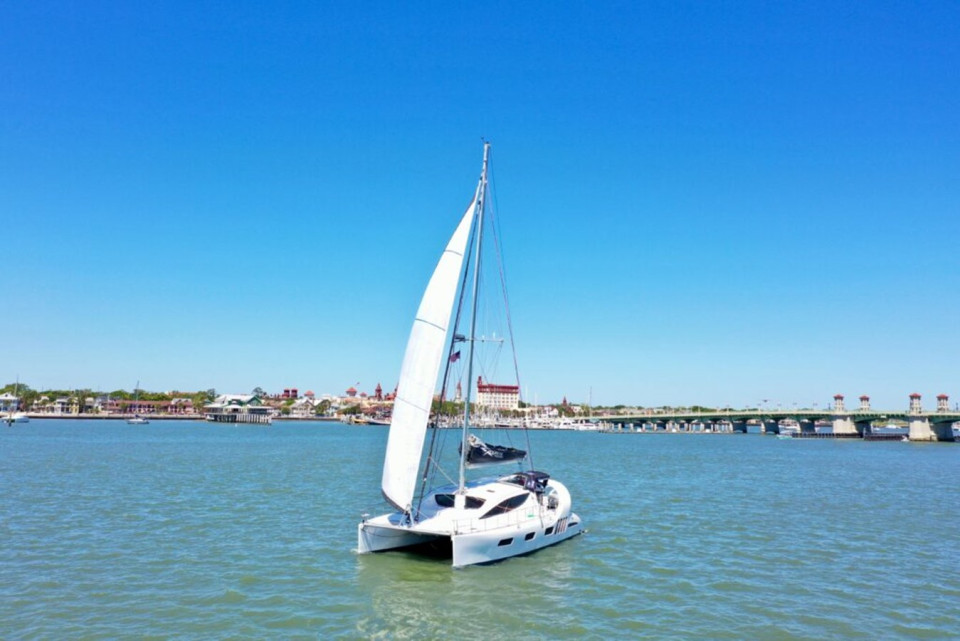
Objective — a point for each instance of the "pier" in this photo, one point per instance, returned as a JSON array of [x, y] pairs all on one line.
[[831, 422], [260, 419]]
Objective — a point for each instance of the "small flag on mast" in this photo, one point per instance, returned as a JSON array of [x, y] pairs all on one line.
[[455, 356]]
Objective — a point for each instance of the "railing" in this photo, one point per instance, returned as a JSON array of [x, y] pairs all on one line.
[[512, 518]]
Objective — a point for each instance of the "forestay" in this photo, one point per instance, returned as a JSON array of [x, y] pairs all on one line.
[[421, 365]]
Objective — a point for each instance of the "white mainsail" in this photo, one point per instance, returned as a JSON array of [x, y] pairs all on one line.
[[421, 365]]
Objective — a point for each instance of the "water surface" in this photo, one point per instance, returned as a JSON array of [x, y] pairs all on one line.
[[190, 530]]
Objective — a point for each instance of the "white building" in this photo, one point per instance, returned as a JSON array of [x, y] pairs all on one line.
[[9, 402], [498, 397]]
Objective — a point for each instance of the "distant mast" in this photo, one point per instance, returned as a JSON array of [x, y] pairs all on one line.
[[481, 203]]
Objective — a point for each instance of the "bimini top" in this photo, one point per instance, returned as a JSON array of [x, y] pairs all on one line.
[[532, 480]]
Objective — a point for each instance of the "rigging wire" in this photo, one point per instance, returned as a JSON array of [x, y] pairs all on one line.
[[495, 226], [433, 465]]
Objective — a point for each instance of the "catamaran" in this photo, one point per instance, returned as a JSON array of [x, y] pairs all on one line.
[[478, 520]]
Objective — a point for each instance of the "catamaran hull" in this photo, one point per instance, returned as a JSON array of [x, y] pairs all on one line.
[[379, 535], [469, 549], [475, 541], [496, 545]]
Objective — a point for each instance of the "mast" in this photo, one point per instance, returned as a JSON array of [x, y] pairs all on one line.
[[481, 203]]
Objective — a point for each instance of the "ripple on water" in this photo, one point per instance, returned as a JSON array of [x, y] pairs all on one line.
[[215, 532]]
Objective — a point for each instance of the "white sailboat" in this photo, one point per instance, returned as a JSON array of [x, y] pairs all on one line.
[[475, 521], [137, 419], [14, 415]]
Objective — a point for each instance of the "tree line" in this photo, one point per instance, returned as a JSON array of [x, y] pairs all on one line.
[[28, 396]]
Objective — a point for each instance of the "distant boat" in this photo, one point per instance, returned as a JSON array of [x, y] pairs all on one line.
[[788, 428], [890, 428], [582, 425], [137, 419], [476, 521], [13, 416], [890, 431]]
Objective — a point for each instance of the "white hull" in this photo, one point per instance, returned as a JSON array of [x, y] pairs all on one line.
[[471, 535], [18, 417]]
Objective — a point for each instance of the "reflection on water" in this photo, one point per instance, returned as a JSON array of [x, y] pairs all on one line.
[[414, 597]]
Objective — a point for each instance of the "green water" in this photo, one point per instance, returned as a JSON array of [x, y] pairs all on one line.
[[189, 530]]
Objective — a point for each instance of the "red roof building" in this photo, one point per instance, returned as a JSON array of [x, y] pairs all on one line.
[[502, 397]]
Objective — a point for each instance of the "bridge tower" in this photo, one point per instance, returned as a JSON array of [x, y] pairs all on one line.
[[838, 403], [842, 423], [864, 403], [943, 403], [915, 406]]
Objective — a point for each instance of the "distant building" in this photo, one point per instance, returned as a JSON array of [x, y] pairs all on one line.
[[291, 392], [181, 406], [62, 405], [499, 397], [227, 404], [9, 402], [304, 407]]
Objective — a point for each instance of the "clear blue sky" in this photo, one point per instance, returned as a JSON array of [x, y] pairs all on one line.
[[712, 203]]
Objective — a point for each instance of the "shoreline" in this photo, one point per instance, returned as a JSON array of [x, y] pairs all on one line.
[[164, 417]]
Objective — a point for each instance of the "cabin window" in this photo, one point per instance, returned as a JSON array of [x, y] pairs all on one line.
[[503, 507], [504, 542], [448, 500], [529, 536], [548, 531]]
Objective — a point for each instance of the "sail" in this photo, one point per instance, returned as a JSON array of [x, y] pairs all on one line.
[[480, 454], [421, 365]]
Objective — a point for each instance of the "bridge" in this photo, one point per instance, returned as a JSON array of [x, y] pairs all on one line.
[[839, 421]]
